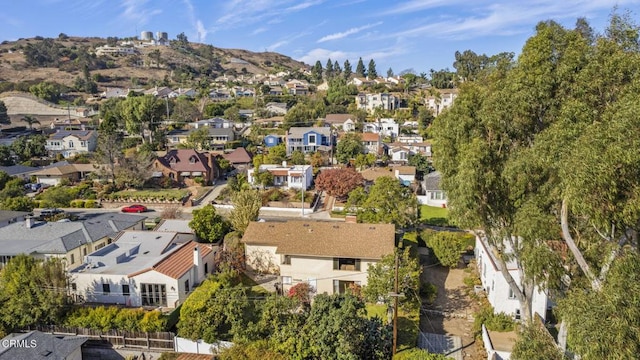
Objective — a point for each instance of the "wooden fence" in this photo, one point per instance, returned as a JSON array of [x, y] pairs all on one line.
[[117, 338]]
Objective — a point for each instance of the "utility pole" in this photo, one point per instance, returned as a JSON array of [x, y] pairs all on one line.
[[303, 187], [395, 310]]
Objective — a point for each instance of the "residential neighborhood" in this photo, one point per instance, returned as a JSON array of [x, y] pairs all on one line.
[[163, 198]]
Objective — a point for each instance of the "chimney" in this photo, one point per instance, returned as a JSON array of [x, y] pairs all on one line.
[[284, 164], [196, 257], [351, 219], [29, 222]]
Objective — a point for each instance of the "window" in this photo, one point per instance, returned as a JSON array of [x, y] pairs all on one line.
[[99, 246], [73, 258], [70, 144], [153, 294], [347, 264], [517, 316], [511, 294], [84, 252], [106, 289], [340, 286], [286, 260], [286, 280], [186, 286], [206, 268], [125, 290], [83, 143], [312, 139], [74, 287]]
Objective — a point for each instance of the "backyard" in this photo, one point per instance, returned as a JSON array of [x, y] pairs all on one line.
[[433, 215]]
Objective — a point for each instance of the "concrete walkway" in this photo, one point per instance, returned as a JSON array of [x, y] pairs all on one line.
[[217, 189]]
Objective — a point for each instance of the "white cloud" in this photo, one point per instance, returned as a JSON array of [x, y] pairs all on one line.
[[322, 55], [259, 30], [138, 11], [340, 35], [244, 12]]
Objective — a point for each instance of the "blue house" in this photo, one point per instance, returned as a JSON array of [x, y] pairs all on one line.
[[309, 139], [272, 140]]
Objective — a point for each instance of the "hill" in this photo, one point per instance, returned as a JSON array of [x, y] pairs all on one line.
[[65, 59]]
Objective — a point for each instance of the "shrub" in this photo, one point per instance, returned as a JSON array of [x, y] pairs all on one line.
[[494, 322], [89, 204], [429, 292], [77, 203], [105, 318]]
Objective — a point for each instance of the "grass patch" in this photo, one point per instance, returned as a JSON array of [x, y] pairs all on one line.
[[377, 310], [160, 194], [256, 289], [202, 190], [408, 324], [433, 215], [338, 214]]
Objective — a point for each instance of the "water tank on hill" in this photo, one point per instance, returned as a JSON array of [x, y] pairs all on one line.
[[161, 35], [146, 36]]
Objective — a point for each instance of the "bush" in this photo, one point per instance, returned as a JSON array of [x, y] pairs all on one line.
[[89, 204], [429, 292], [105, 318], [495, 322], [77, 203]]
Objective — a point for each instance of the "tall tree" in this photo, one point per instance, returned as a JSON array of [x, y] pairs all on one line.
[[347, 70], [381, 279], [360, 70], [316, 71], [388, 201], [109, 151], [208, 225], [246, 208], [339, 182], [336, 68], [371, 69], [389, 72], [30, 120], [4, 117], [349, 146], [328, 70]]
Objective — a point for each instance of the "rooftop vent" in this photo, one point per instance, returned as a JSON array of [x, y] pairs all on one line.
[[372, 227], [306, 225]]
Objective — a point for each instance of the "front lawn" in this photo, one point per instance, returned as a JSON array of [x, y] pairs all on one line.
[[158, 194], [433, 215]]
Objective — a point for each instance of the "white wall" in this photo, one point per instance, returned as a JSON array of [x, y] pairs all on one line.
[[497, 288], [303, 269], [429, 198], [262, 258]]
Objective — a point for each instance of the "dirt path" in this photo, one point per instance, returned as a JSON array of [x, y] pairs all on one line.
[[451, 312]]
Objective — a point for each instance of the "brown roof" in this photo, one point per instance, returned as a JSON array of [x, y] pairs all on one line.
[[338, 118], [279, 172], [370, 137], [238, 156], [406, 170], [181, 261], [195, 357], [372, 174], [323, 239], [57, 171], [183, 162]]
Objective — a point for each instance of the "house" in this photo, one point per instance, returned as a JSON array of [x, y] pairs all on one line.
[[36, 345], [70, 241], [341, 122], [433, 191], [217, 123], [182, 92], [276, 108], [409, 139], [330, 256], [399, 153], [184, 166], [220, 137], [114, 92], [370, 175], [21, 171], [442, 100], [159, 92], [497, 290], [308, 139], [9, 217], [359, 81], [54, 174], [142, 268], [177, 136], [406, 174], [371, 143], [272, 140], [115, 50], [220, 94], [370, 102], [239, 158], [272, 122], [179, 226], [275, 90], [73, 124], [385, 127], [217, 138], [292, 177], [72, 142], [297, 87]]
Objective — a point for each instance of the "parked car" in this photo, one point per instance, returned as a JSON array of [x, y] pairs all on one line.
[[49, 212], [136, 208]]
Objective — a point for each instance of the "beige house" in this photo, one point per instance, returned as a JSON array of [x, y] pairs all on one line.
[[329, 256], [72, 142]]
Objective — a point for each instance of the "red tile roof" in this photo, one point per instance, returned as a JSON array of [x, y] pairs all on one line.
[[181, 261], [370, 136]]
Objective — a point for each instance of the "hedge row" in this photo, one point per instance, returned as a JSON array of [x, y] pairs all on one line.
[[107, 318]]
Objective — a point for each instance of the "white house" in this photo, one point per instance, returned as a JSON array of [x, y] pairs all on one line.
[[370, 102], [498, 292], [384, 127], [341, 122], [292, 177], [406, 174], [189, 92], [399, 153], [330, 256], [72, 142], [441, 101], [371, 143], [142, 268], [434, 194], [217, 123]]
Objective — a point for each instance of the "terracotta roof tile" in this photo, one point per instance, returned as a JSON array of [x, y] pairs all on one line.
[[323, 239], [179, 262], [238, 156], [370, 137]]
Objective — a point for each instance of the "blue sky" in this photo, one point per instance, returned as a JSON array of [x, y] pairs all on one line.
[[414, 34]]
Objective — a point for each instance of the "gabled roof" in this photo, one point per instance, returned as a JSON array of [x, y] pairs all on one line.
[[432, 181], [56, 171], [80, 134], [370, 136], [18, 169], [299, 131], [185, 160], [238, 156], [323, 239], [372, 174], [405, 170], [338, 118], [47, 346], [179, 262]]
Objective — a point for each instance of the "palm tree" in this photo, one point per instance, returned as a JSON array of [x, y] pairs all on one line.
[[29, 119]]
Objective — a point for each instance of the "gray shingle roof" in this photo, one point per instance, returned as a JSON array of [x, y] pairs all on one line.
[[299, 131], [46, 346], [432, 181]]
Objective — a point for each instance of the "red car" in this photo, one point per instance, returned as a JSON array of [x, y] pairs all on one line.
[[134, 209]]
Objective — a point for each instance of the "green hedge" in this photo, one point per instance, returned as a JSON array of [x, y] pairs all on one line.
[[105, 318]]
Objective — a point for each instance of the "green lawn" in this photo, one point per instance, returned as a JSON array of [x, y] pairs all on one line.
[[166, 194], [408, 324], [433, 215]]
